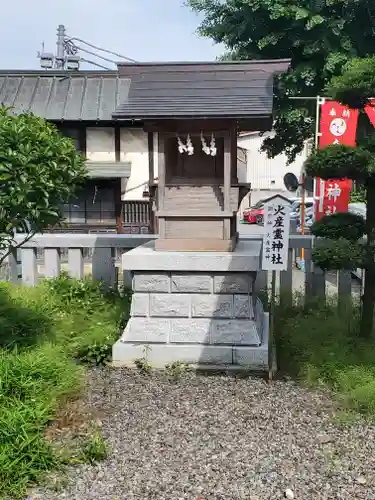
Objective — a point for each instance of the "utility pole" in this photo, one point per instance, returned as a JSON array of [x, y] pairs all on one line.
[[67, 53], [64, 59], [60, 49]]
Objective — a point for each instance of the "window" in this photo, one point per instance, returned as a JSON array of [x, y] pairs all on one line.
[[95, 204]]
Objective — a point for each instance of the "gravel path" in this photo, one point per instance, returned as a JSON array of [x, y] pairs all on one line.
[[220, 438]]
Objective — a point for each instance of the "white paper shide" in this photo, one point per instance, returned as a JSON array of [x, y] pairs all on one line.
[[276, 234]]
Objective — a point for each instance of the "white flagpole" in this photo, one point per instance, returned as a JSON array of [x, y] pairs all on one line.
[[319, 101], [316, 144]]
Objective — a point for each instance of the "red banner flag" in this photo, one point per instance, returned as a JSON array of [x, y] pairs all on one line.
[[333, 196], [338, 124], [370, 111]]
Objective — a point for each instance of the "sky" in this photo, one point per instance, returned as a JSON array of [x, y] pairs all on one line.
[[144, 30]]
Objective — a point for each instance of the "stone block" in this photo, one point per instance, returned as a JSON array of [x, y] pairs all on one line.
[[140, 304], [234, 283], [245, 258], [159, 355], [212, 306], [256, 358], [145, 330], [195, 307], [191, 283], [190, 330], [234, 331], [243, 306], [151, 282], [170, 305]]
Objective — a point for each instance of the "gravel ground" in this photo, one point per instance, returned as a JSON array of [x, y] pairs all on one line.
[[220, 438]]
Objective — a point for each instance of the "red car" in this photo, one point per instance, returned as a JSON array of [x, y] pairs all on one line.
[[255, 214]]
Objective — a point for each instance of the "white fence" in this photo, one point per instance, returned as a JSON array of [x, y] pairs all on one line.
[[98, 255]]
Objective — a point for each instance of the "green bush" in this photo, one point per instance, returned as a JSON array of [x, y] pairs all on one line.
[[341, 225], [356, 85], [319, 344], [339, 162], [85, 293], [32, 385], [22, 322], [339, 254], [43, 331]]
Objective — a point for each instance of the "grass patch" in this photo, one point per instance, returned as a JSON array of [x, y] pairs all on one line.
[[319, 343], [94, 448], [47, 334]]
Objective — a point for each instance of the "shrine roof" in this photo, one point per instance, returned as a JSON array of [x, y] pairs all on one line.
[[232, 89]]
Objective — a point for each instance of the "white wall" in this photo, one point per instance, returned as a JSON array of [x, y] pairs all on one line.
[[100, 144], [265, 173], [100, 147], [134, 148]]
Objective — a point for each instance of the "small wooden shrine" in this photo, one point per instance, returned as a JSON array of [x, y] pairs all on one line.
[[193, 112], [198, 193]]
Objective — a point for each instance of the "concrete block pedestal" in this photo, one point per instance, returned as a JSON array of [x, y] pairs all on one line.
[[194, 307]]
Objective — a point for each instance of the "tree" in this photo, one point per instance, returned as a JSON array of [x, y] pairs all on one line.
[[319, 36], [39, 171], [342, 249]]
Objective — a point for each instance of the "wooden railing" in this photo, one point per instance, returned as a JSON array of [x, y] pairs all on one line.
[[137, 217], [99, 255]]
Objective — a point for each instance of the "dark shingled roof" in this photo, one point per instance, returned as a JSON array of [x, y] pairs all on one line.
[[61, 95], [200, 90]]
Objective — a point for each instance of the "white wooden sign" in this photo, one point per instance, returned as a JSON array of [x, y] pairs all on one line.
[[276, 233]]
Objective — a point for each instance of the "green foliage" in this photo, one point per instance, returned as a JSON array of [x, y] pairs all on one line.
[[319, 343], [339, 254], [32, 385], [22, 321], [43, 331], [356, 85], [84, 293], [320, 37], [339, 162], [176, 369], [341, 225], [142, 363], [97, 353], [94, 448], [39, 171], [358, 194]]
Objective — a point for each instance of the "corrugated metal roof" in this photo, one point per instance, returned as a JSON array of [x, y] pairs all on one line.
[[240, 89], [62, 96]]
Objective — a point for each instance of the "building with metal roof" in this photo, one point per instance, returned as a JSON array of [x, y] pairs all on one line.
[[64, 96], [104, 113]]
